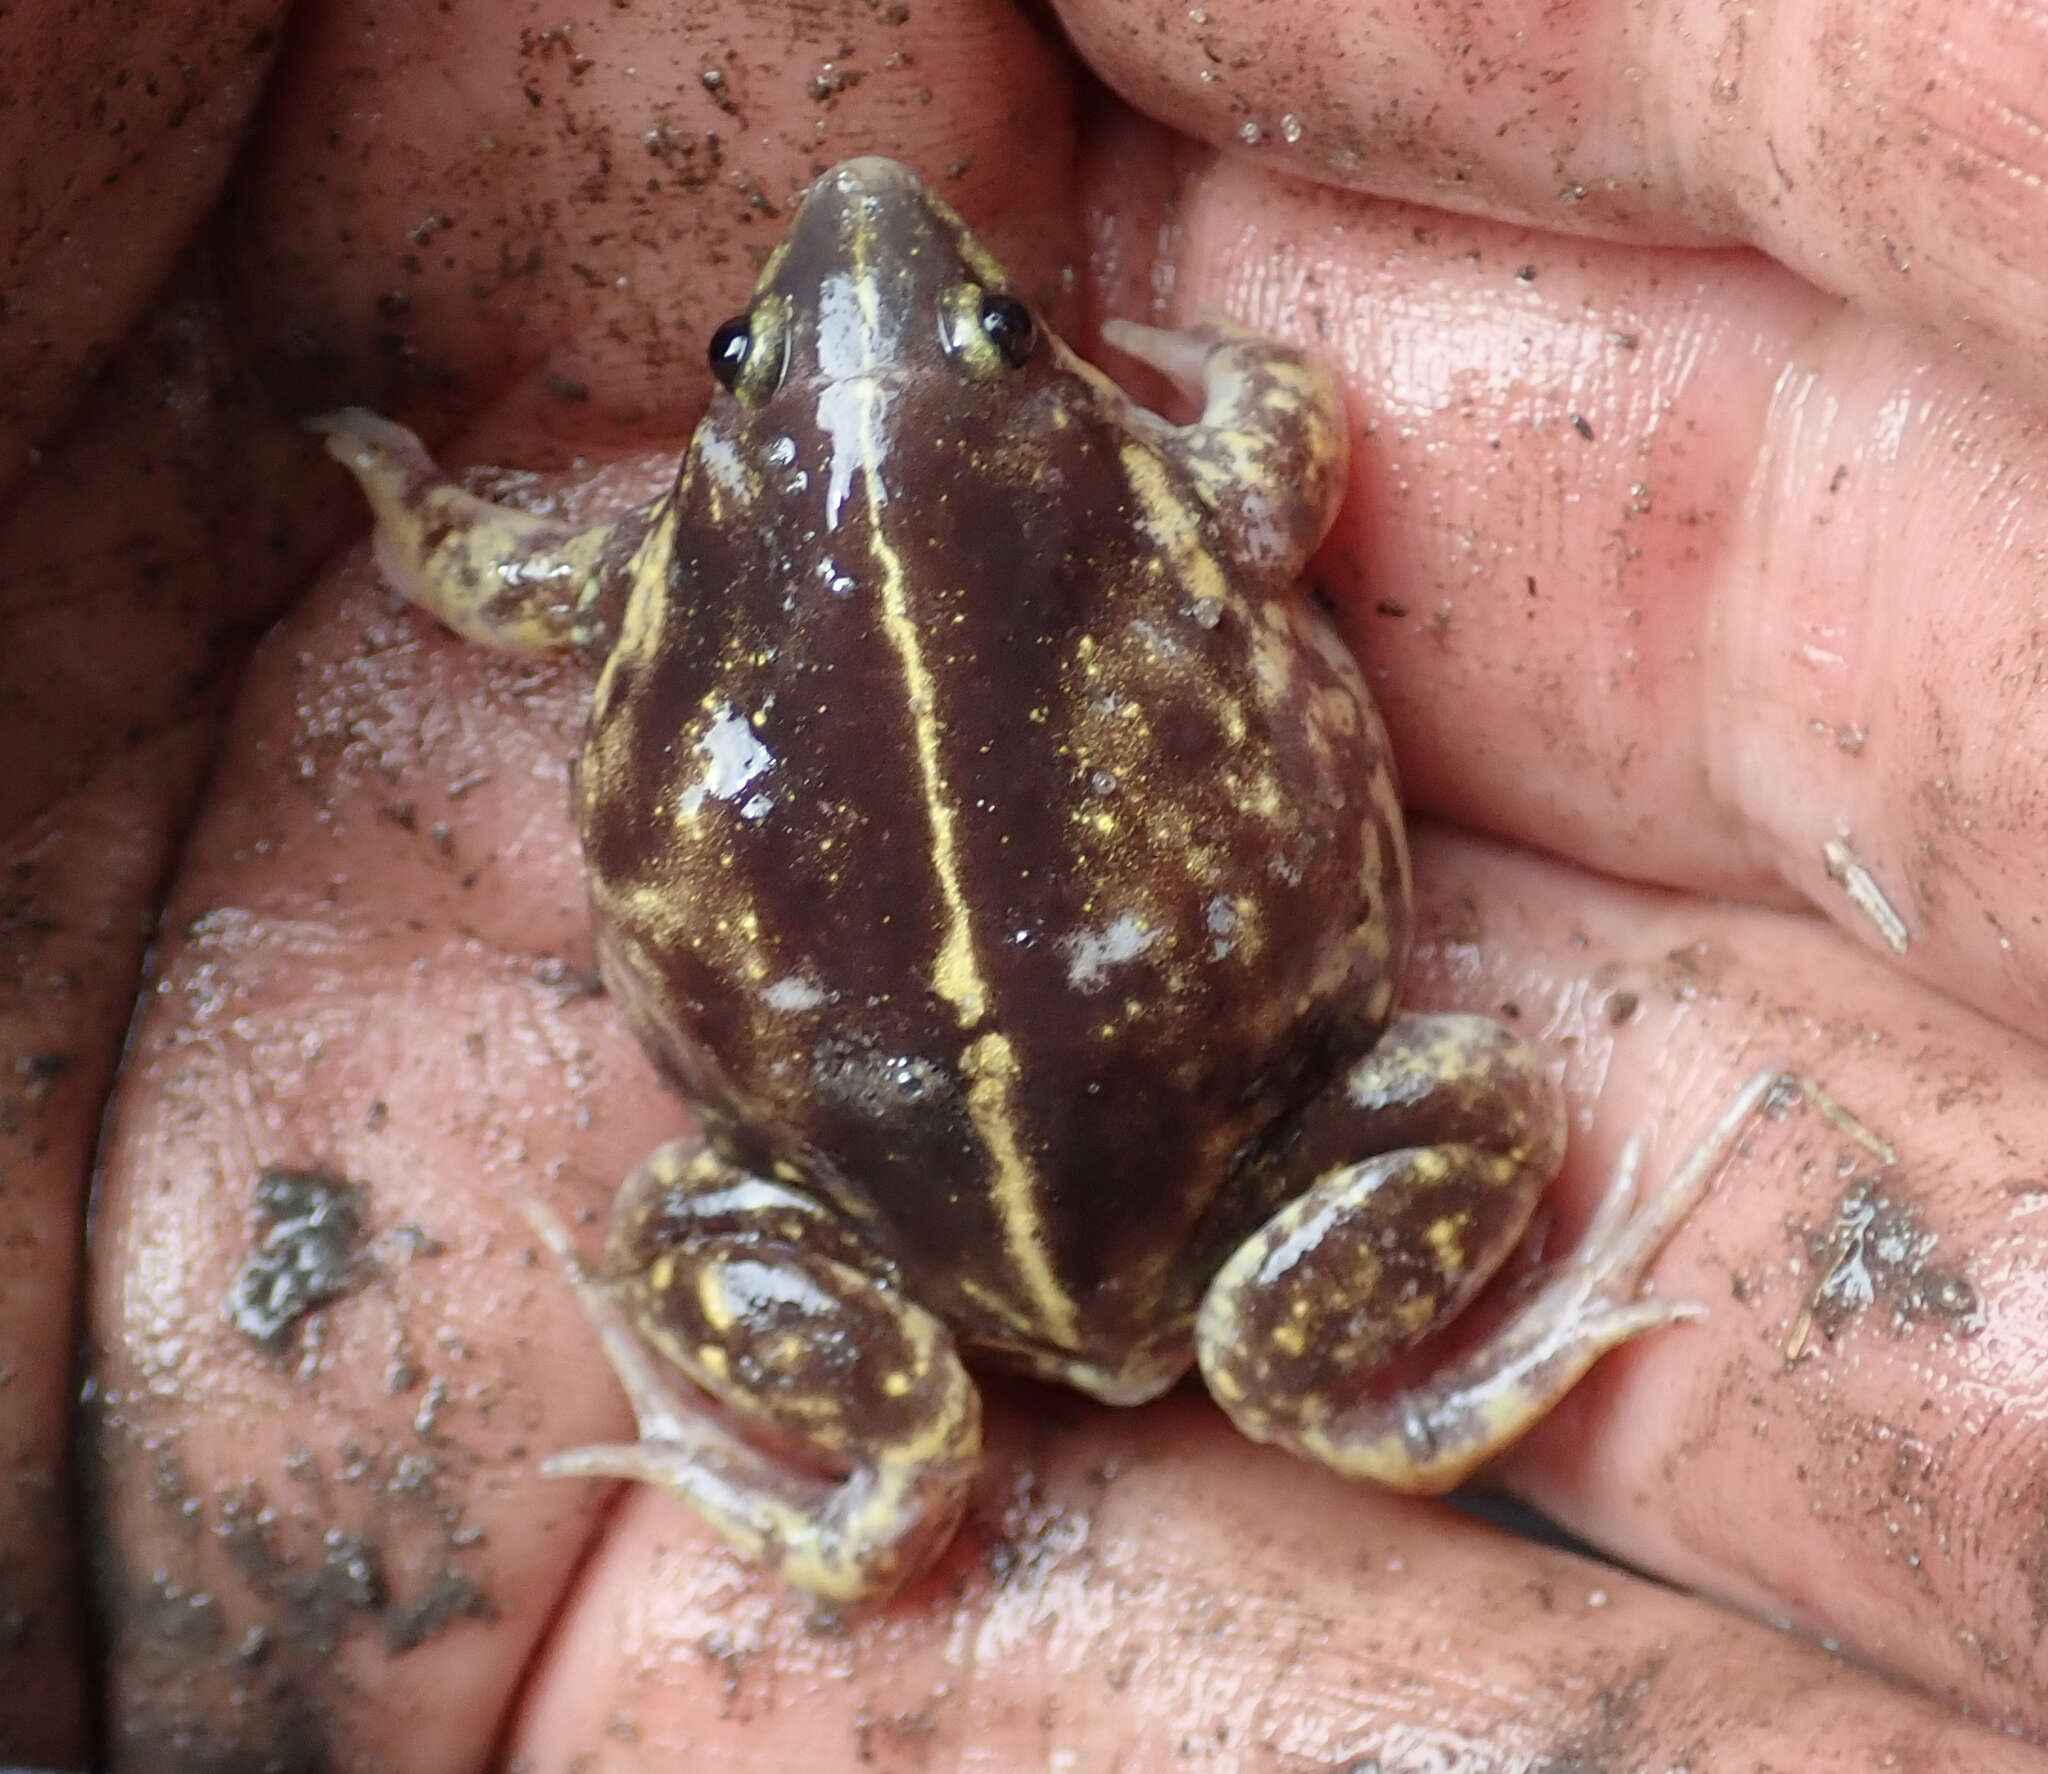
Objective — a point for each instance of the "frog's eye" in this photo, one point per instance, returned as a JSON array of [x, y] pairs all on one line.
[[1009, 328], [749, 352], [731, 345], [988, 333]]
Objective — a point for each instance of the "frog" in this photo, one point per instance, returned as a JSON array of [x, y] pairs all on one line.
[[992, 841]]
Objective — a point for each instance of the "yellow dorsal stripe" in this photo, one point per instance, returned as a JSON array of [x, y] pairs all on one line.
[[989, 1061]]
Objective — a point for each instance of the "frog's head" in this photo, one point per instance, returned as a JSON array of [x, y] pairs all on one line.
[[877, 280]]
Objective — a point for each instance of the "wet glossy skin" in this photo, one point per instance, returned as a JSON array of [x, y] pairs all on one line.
[[992, 844]]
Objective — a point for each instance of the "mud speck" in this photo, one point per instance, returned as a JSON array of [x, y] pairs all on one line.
[[448, 1595], [308, 1252], [1613, 1735], [1033, 1536], [1875, 1254], [318, 1596], [187, 1618]]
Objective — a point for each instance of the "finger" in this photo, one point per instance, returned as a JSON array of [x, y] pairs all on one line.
[[152, 543], [1892, 155], [317, 1420], [1851, 1437], [560, 227], [1661, 562], [120, 128], [78, 881], [1143, 1591]]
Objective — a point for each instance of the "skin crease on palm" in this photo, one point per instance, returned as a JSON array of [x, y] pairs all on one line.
[[1698, 359]]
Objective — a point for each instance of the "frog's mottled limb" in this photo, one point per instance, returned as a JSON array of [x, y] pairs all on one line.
[[815, 1416], [1269, 454], [512, 580], [1355, 1235]]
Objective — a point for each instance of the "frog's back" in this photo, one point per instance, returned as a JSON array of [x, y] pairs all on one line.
[[1007, 870], [965, 838]]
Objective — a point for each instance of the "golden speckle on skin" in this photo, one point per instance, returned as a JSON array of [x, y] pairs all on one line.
[[1446, 1237], [1275, 660], [1290, 1337], [713, 1306], [1257, 796], [1413, 1316], [1334, 711]]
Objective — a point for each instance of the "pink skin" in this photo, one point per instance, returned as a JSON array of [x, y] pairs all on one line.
[[1782, 593]]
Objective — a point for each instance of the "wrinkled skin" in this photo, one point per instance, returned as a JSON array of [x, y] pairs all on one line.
[[1676, 551]]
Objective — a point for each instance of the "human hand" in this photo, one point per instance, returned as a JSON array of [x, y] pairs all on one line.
[[1597, 482]]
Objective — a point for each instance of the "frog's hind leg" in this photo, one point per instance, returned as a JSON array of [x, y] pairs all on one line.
[[1377, 1254], [509, 579], [806, 1409]]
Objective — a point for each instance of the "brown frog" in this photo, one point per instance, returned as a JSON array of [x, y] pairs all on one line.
[[993, 845]]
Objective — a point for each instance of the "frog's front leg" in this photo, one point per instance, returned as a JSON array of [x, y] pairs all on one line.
[[512, 580], [785, 1389], [1374, 1255], [1270, 451]]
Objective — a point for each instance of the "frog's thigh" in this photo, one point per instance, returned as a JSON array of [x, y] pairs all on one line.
[[1375, 1252], [817, 1418], [509, 579]]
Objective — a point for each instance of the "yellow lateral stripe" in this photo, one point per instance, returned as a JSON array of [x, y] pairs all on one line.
[[1171, 527]]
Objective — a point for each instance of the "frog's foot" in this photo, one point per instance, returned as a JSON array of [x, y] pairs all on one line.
[[1432, 1435], [1270, 451], [510, 579], [819, 1421]]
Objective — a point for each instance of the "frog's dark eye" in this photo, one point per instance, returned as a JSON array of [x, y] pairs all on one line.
[[730, 347], [750, 352], [986, 332], [1009, 327]]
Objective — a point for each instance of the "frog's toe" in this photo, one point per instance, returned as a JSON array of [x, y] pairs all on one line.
[[367, 443], [1432, 1435], [821, 1423], [1181, 356], [1626, 1234], [857, 1538]]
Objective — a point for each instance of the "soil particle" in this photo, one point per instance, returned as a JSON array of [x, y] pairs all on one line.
[[308, 1252], [1875, 1254]]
